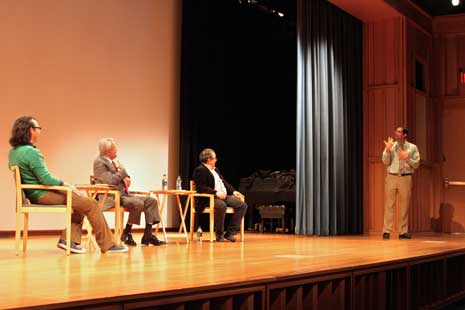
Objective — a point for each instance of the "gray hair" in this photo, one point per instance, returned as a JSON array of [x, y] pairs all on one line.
[[105, 145], [206, 154]]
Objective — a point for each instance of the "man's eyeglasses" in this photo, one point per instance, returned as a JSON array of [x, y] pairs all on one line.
[[37, 127]]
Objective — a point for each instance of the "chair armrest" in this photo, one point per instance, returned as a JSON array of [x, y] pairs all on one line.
[[46, 187], [139, 193], [203, 195], [108, 185]]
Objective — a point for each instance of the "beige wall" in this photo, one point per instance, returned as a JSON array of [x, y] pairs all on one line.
[[88, 69]]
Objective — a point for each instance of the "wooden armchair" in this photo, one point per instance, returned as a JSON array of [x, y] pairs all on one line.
[[211, 211], [24, 207], [117, 209]]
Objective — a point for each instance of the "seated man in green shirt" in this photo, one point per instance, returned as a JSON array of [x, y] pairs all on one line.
[[24, 136]]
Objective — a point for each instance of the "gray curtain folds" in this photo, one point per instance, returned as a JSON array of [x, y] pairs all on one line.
[[329, 120]]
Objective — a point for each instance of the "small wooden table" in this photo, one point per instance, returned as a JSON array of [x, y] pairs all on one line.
[[177, 193], [92, 191]]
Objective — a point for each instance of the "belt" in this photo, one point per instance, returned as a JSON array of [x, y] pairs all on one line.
[[400, 174]]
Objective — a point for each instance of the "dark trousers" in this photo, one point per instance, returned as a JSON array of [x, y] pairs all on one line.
[[239, 206], [137, 204]]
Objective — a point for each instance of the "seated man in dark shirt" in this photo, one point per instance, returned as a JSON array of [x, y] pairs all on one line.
[[208, 180]]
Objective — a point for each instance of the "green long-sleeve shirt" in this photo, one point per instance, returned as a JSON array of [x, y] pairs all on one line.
[[33, 169]]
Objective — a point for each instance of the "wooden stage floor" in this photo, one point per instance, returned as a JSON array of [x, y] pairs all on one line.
[[45, 276]]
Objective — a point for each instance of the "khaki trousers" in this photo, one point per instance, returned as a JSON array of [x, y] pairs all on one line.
[[82, 206], [401, 185]]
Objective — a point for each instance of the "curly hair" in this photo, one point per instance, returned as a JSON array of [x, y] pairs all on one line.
[[20, 134]]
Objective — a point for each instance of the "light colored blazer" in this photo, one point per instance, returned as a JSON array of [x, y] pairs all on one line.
[[106, 173]]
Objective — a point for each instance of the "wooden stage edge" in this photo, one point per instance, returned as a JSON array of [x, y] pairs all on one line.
[[267, 271]]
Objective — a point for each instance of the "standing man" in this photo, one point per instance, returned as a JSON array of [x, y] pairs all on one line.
[[208, 180], [108, 170], [24, 153], [401, 158]]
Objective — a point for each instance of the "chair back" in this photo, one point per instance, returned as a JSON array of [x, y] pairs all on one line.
[[20, 195]]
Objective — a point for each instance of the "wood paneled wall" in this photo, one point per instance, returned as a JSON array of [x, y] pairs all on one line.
[[422, 125], [449, 100], [391, 49], [434, 115], [384, 107]]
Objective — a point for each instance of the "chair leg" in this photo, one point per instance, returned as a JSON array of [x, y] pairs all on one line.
[[25, 231], [91, 242], [18, 232], [121, 225], [192, 225], [242, 230], [68, 233], [212, 225], [116, 233]]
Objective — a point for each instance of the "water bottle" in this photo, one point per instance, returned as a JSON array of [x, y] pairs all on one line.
[[164, 183], [178, 183], [199, 233]]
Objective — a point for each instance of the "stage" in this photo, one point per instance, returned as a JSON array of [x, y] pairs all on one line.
[[267, 271]]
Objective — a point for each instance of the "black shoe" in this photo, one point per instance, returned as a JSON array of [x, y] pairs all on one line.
[[386, 235], [405, 236], [230, 237], [147, 240], [127, 239], [219, 237]]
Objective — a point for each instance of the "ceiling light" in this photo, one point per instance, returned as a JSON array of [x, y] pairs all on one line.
[[455, 2]]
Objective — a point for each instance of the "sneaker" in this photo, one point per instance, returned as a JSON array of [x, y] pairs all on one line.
[[75, 248], [117, 249], [386, 235]]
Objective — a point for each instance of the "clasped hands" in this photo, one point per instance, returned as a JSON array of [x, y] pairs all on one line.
[[223, 195]]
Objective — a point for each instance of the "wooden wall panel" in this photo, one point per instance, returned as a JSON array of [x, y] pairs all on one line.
[[449, 101], [421, 124], [451, 75], [413, 13], [384, 107], [384, 40], [392, 48]]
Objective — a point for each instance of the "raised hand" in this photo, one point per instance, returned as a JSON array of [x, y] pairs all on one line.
[[389, 143]]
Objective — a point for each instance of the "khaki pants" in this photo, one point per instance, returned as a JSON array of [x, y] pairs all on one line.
[[82, 206], [401, 185]]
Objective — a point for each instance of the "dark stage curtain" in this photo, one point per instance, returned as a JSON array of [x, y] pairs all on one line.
[[238, 77], [329, 120]]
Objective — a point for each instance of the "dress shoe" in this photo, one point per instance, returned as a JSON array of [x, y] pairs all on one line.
[[230, 237], [386, 235], [151, 239], [405, 236], [219, 237], [127, 239]]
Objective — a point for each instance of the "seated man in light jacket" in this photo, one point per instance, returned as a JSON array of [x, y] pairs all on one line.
[[108, 170]]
